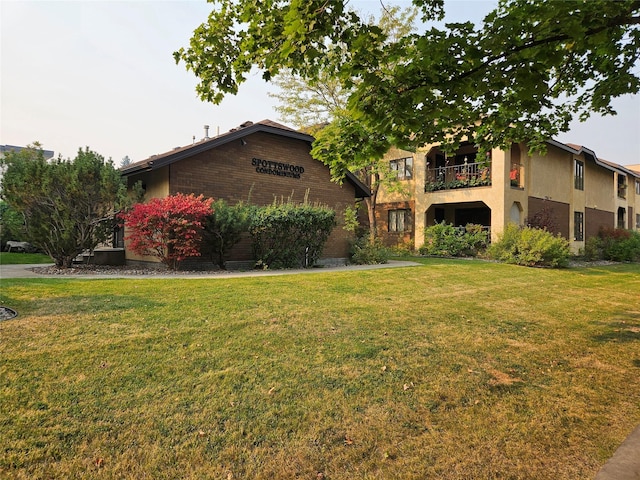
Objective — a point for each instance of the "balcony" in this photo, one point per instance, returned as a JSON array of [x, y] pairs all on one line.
[[466, 175]]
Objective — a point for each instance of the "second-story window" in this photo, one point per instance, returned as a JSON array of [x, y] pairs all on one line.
[[403, 168], [578, 175], [622, 186], [637, 187]]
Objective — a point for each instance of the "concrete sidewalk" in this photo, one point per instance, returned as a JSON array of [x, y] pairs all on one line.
[[24, 271], [625, 463]]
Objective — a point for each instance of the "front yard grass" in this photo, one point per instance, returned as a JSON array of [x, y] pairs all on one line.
[[8, 258], [456, 369]]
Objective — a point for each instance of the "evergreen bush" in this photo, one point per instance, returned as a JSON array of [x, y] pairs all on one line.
[[287, 235], [223, 229]]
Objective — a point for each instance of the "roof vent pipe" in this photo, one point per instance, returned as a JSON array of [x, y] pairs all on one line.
[[206, 132]]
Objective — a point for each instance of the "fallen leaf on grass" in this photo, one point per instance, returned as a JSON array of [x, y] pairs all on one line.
[[501, 378]]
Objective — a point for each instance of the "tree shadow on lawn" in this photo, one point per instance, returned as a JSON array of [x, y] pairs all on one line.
[[79, 304], [625, 328]]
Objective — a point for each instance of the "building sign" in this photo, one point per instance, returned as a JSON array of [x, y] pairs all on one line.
[[277, 168]]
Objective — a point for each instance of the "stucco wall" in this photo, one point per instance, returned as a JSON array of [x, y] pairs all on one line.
[[551, 175], [155, 182], [599, 187]]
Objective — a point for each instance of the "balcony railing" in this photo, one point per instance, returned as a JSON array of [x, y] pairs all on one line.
[[466, 175]]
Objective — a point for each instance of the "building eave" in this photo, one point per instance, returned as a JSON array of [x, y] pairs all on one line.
[[591, 155], [266, 126]]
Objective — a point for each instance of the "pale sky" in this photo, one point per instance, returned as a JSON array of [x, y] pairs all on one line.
[[101, 74]]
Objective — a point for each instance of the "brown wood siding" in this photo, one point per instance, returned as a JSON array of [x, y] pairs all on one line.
[[595, 219], [559, 210], [227, 172]]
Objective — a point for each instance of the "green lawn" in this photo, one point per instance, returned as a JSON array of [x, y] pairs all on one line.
[[7, 258], [452, 370]]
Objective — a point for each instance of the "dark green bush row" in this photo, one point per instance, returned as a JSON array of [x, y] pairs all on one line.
[[614, 244], [284, 235], [530, 246], [288, 235], [445, 239]]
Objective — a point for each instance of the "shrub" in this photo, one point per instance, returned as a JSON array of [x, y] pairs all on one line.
[[169, 228], [618, 244], [531, 247], [442, 239], [367, 252], [288, 235], [544, 219], [445, 239], [593, 249], [476, 237], [403, 249], [223, 228]]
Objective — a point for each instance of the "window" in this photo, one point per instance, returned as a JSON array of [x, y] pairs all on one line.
[[622, 186], [578, 175], [403, 167], [399, 220], [578, 226], [637, 187], [638, 221]]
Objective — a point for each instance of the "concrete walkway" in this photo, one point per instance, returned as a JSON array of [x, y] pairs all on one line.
[[624, 465], [24, 271]]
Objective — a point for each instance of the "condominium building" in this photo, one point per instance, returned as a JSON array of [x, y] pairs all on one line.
[[261, 163], [568, 187]]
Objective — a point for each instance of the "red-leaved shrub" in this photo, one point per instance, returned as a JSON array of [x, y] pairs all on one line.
[[169, 228]]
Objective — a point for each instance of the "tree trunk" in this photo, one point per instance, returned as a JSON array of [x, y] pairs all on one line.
[[371, 209]]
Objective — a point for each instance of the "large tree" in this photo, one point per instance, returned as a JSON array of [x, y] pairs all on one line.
[[67, 206], [519, 76], [319, 106]]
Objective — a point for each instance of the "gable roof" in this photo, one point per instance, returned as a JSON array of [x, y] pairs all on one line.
[[247, 128]]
